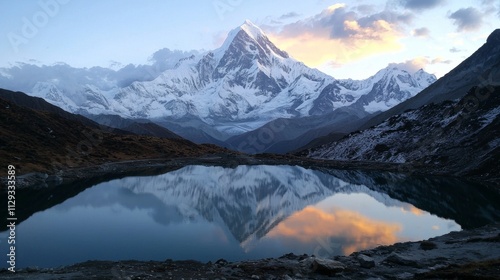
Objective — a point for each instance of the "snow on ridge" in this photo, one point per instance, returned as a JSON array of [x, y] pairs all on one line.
[[248, 27], [252, 30]]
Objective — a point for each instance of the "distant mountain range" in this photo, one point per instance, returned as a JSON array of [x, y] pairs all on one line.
[[233, 91]]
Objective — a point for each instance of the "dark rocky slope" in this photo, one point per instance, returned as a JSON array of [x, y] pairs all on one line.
[[54, 140], [457, 138]]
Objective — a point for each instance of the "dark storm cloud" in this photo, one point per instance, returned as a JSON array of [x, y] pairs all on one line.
[[467, 19]]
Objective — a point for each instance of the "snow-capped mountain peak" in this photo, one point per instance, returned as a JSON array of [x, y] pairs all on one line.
[[249, 28], [251, 39], [239, 87], [389, 87], [252, 30], [247, 79], [423, 78]]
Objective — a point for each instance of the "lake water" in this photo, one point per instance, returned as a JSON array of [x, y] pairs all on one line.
[[248, 212]]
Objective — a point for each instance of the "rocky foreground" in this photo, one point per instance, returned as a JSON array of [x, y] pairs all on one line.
[[473, 254]]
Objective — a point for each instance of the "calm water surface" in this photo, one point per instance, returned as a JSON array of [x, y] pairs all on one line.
[[207, 213]]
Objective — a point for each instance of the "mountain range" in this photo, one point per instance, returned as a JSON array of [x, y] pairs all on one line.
[[225, 95]]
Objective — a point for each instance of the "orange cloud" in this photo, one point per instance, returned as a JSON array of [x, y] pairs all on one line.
[[357, 232], [335, 6], [414, 210], [315, 51], [341, 35]]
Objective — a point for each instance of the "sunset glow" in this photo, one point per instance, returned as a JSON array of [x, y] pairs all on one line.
[[348, 39], [356, 230]]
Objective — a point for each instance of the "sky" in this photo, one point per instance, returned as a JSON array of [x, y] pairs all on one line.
[[345, 39]]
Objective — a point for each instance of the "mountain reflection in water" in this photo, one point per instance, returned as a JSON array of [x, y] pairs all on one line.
[[207, 213]]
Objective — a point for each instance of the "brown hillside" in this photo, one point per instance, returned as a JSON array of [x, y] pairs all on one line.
[[35, 140]]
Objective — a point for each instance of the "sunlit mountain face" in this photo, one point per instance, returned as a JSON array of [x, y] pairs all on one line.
[[247, 212]]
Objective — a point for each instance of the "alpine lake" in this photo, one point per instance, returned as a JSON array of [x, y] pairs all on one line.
[[206, 213]]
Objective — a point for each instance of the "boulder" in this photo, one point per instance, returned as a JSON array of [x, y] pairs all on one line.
[[325, 266], [427, 245], [396, 258], [365, 261]]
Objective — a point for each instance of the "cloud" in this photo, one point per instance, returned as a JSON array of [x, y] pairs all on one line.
[[490, 7], [413, 65], [335, 64], [455, 50], [441, 60], [341, 35], [421, 4], [289, 15], [71, 79], [365, 9], [339, 22], [467, 19], [421, 32]]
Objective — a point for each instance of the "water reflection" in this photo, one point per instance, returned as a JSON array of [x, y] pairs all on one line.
[[207, 213], [351, 230]]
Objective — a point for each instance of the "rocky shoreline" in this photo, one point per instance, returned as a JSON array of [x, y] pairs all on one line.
[[470, 254]]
